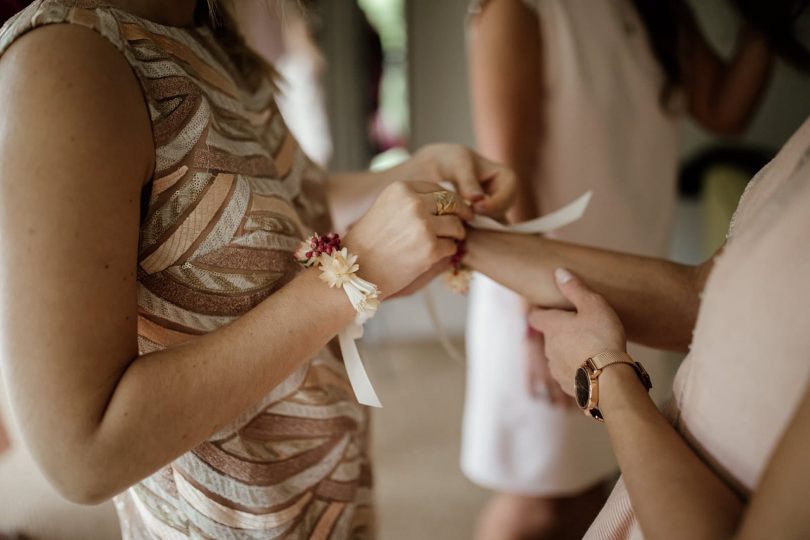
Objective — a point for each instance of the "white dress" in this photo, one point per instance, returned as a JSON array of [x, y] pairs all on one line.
[[608, 132]]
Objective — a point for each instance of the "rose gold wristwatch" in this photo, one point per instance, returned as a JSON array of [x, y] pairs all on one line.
[[586, 380]]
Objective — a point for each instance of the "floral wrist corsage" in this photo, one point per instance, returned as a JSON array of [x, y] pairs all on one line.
[[459, 276], [339, 270]]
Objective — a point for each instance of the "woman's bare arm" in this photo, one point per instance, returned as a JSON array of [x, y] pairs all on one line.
[[778, 508], [724, 94], [687, 499], [507, 87], [657, 300], [75, 151], [674, 494]]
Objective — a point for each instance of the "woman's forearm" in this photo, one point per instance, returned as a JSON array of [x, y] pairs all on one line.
[[673, 493], [507, 93], [166, 402], [657, 300]]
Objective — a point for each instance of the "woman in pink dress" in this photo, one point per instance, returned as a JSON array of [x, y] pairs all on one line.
[[728, 458], [578, 95]]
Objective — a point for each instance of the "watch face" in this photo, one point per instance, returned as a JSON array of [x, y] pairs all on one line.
[[582, 388]]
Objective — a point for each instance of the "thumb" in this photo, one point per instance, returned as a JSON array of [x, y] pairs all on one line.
[[573, 289], [466, 177], [500, 184]]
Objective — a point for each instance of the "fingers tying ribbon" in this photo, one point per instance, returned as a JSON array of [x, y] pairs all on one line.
[[458, 280]]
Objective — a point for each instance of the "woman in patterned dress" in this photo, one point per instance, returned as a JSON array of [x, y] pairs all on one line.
[[160, 343]]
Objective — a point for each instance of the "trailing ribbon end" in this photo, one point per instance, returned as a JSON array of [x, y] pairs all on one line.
[[358, 377]]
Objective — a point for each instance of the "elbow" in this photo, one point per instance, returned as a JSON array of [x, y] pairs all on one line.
[[87, 495], [84, 489], [80, 480]]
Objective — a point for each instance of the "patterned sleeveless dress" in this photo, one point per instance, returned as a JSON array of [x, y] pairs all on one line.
[[231, 196]]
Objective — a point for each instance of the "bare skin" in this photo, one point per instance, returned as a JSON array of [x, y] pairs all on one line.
[[75, 150], [657, 300], [674, 495]]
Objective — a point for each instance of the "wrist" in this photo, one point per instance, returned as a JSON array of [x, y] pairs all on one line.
[[339, 270], [488, 248], [365, 260], [403, 172], [340, 306], [481, 247], [620, 389]]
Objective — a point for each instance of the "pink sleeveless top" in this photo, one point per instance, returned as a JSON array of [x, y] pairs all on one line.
[[748, 365], [231, 196]]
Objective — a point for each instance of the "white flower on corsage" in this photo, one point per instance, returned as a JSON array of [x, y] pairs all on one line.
[[340, 270]]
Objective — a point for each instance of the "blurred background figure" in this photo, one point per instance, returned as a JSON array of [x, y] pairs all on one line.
[[577, 95], [284, 33]]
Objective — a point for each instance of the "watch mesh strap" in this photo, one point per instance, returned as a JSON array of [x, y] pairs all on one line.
[[604, 359], [608, 358]]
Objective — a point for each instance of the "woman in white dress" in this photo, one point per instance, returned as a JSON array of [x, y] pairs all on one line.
[[578, 95]]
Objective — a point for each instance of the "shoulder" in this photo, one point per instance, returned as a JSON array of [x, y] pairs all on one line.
[[70, 77]]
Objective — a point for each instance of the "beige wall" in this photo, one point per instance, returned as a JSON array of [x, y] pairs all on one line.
[[440, 102]]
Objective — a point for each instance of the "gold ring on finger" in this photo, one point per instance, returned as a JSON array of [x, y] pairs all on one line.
[[446, 202]]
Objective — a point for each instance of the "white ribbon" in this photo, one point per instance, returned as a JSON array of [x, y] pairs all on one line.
[[358, 377], [347, 338], [544, 224]]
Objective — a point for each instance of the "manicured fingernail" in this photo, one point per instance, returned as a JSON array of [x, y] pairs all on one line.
[[563, 276], [477, 196]]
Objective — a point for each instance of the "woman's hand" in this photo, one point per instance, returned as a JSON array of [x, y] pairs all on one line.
[[573, 337], [402, 236], [425, 279], [488, 186]]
